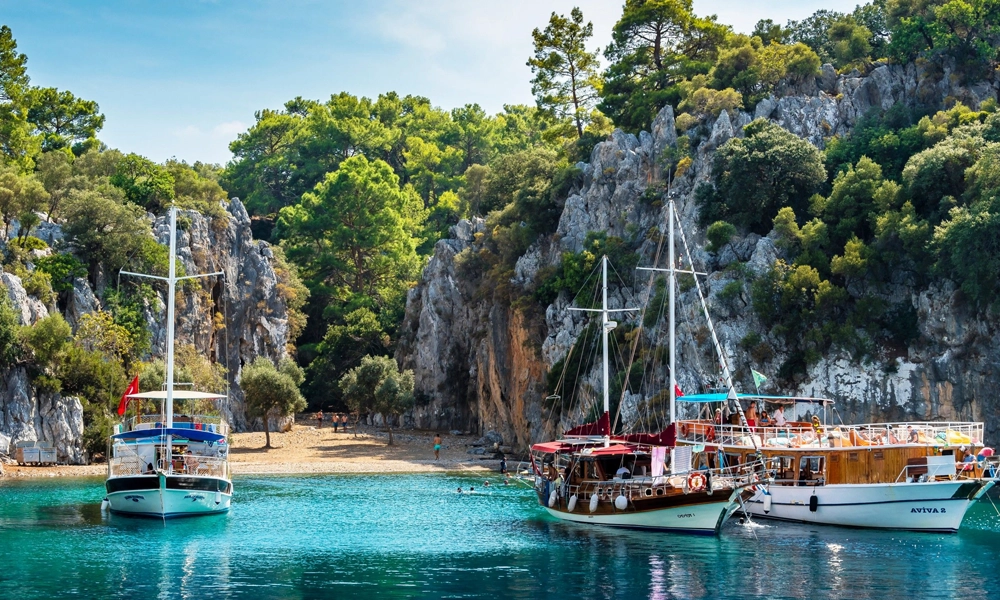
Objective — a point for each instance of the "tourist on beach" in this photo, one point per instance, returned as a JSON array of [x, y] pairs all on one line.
[[343, 422], [336, 422], [437, 446], [503, 464], [319, 419]]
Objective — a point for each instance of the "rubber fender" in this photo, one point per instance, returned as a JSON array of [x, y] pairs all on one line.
[[813, 503]]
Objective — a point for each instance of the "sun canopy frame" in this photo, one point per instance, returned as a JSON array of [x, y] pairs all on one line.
[[196, 435], [178, 395], [722, 397]]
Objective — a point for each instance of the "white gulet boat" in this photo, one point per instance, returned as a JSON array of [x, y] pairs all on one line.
[[167, 466], [639, 480]]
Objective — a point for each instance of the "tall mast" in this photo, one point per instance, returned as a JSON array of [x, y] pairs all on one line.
[[671, 283], [171, 288], [604, 334]]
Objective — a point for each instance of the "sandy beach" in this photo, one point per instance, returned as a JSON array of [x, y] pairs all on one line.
[[306, 449]]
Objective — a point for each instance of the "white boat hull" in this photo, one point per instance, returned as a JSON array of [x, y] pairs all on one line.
[[929, 506], [704, 518], [165, 503]]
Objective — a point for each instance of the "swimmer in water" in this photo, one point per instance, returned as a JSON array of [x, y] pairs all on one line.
[[459, 489], [486, 484], [472, 489]]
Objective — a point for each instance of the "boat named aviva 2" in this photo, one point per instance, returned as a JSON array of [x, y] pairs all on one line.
[[166, 465]]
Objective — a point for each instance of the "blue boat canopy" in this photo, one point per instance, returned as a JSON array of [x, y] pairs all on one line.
[[722, 397], [197, 435]]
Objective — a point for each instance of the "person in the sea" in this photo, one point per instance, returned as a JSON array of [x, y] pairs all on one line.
[[437, 446], [486, 483], [472, 489], [319, 420], [459, 489]]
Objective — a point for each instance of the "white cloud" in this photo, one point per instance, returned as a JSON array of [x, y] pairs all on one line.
[[229, 129]]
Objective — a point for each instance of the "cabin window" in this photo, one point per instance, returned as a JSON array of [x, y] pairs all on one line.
[[783, 467], [811, 470], [877, 455]]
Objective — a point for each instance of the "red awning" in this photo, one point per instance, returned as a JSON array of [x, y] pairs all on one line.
[[615, 449], [551, 447]]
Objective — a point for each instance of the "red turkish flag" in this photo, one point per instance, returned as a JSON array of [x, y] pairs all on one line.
[[133, 388]]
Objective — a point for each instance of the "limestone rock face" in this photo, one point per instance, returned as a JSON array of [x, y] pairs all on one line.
[[28, 308], [245, 298], [26, 415], [232, 319], [480, 364]]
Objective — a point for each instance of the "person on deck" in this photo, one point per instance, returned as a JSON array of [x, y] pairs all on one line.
[[779, 417], [751, 415], [623, 473], [718, 416], [765, 421]]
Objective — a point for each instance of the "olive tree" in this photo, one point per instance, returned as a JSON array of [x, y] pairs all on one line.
[[270, 392]]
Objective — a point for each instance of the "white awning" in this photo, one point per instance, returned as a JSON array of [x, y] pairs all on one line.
[[178, 395]]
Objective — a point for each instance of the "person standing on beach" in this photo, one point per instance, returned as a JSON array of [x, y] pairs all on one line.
[[343, 422], [336, 422], [503, 464], [319, 419], [437, 446]]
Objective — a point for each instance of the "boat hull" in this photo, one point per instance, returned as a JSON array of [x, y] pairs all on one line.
[[936, 506], [703, 517], [168, 496]]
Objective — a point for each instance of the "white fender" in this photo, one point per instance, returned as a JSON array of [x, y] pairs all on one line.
[[572, 503], [552, 499], [767, 503], [593, 503], [218, 497], [621, 502], [105, 504]]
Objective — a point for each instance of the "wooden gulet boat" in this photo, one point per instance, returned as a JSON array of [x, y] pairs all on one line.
[[637, 480], [910, 475], [163, 465]]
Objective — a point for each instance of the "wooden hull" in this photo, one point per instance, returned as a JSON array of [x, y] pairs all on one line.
[[929, 506], [697, 512]]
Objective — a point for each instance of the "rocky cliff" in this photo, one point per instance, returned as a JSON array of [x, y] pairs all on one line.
[[231, 319], [477, 362]]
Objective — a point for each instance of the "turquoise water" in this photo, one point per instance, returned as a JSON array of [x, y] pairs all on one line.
[[412, 536]]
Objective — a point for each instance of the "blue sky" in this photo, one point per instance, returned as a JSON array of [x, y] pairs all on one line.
[[181, 78]]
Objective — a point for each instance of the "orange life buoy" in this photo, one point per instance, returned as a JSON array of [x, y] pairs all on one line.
[[696, 482], [684, 429]]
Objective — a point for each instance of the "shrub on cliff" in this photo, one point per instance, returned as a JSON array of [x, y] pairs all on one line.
[[753, 177]]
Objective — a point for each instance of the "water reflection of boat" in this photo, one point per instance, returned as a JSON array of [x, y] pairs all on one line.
[[638, 480], [165, 465], [887, 475]]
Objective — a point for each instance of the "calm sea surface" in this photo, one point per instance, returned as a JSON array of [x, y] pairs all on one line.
[[412, 536]]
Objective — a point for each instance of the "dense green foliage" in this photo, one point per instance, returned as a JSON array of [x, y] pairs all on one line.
[[271, 391], [377, 385]]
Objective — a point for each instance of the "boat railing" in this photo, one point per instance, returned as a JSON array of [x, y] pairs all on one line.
[[806, 435], [724, 479], [213, 423], [126, 461]]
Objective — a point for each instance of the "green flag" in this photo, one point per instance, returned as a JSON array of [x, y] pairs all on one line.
[[758, 378]]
